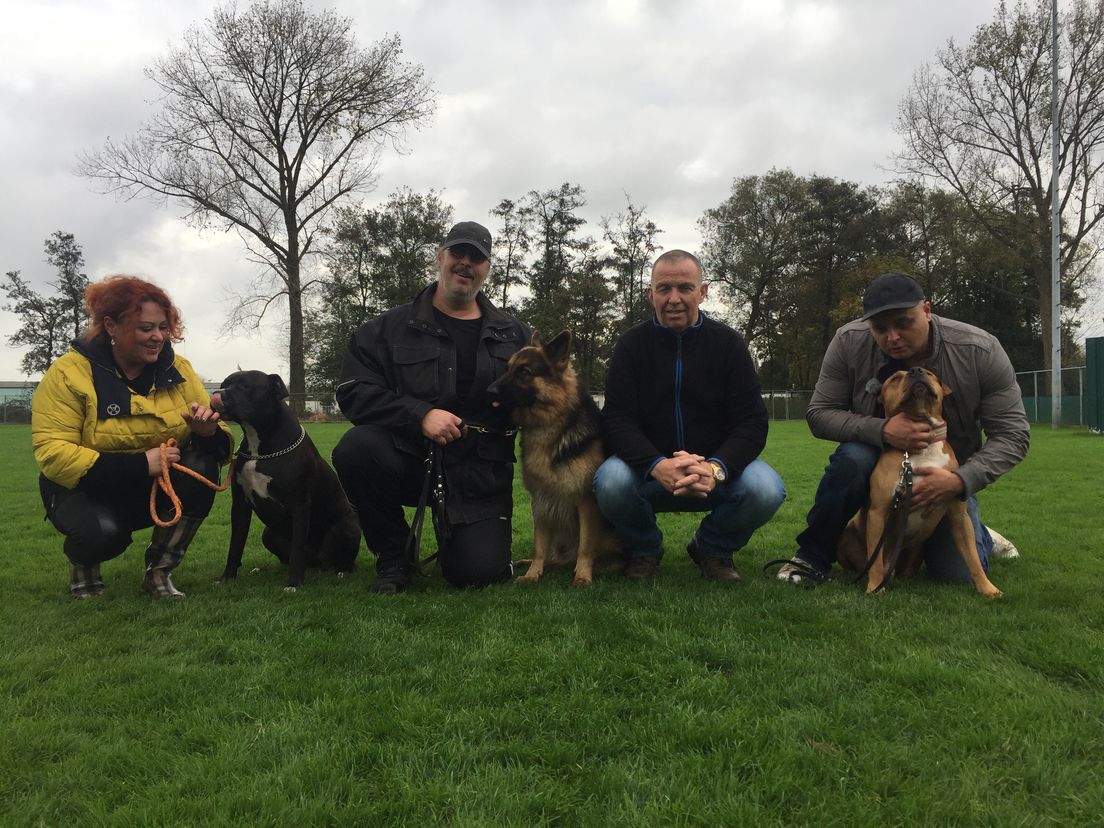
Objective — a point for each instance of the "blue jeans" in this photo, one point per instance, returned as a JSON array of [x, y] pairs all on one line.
[[844, 489], [736, 508]]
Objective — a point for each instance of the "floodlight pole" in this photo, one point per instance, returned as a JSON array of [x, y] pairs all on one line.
[[1055, 223]]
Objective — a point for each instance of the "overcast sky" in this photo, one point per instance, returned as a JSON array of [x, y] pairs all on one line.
[[665, 101]]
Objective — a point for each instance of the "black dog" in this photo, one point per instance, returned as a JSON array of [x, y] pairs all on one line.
[[279, 474]]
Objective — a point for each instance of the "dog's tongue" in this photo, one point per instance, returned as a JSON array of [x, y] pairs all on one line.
[[216, 401]]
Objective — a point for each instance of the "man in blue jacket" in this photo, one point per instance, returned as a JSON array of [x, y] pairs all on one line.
[[685, 422]]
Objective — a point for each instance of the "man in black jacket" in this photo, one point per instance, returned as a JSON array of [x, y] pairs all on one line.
[[419, 373], [685, 422]]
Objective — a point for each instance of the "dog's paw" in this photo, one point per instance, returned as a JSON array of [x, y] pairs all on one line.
[[580, 581], [290, 588], [527, 578]]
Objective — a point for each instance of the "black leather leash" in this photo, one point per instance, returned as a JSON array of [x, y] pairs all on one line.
[[433, 491], [898, 516]]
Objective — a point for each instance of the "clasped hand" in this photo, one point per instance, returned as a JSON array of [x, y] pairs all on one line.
[[685, 474]]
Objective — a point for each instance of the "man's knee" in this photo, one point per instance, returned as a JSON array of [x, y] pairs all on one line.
[[478, 554], [367, 453], [850, 466], [762, 489], [613, 481], [357, 445], [857, 459]]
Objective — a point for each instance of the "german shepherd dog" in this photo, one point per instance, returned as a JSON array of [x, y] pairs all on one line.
[[561, 448]]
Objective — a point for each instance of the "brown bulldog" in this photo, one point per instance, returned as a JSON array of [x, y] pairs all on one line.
[[919, 395]]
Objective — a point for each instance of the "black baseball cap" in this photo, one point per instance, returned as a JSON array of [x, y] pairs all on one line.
[[891, 291], [469, 232]]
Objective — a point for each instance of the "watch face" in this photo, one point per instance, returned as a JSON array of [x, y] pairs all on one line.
[[718, 471]]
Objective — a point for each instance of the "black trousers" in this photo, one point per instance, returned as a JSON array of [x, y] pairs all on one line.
[[97, 524], [379, 480]]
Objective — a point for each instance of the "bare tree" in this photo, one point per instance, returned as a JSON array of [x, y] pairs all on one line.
[[269, 118], [978, 121]]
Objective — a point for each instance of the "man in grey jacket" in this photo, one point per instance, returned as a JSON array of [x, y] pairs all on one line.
[[898, 331]]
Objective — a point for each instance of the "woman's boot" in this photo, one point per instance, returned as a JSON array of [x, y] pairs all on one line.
[[164, 554], [85, 580]]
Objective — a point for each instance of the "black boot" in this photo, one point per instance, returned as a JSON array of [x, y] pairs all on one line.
[[393, 574]]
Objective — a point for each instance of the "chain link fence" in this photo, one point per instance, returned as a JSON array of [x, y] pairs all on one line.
[[1035, 388], [781, 405]]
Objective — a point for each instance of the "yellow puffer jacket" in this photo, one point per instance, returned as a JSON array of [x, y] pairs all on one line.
[[83, 407]]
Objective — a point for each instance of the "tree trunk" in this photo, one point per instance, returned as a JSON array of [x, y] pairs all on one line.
[[1046, 301], [296, 376]]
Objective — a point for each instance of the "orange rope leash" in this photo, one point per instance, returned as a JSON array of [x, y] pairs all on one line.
[[165, 483]]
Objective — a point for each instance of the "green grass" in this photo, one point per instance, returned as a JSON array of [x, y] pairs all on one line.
[[677, 702]]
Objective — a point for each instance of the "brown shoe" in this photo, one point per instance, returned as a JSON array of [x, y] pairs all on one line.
[[718, 569], [641, 567], [715, 569]]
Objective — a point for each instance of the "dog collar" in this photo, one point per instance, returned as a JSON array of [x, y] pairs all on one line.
[[292, 447], [939, 429]]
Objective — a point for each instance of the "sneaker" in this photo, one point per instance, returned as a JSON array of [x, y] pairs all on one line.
[[1002, 546], [641, 567], [798, 570], [714, 569]]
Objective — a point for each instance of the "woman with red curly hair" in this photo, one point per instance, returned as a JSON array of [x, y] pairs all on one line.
[[99, 420]]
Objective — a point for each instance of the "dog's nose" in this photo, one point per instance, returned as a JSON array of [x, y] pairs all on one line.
[[915, 373]]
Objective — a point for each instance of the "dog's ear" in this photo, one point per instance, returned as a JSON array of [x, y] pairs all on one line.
[[946, 390], [558, 349], [534, 340], [278, 387]]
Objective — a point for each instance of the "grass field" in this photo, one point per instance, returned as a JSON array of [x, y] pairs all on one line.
[[677, 702]]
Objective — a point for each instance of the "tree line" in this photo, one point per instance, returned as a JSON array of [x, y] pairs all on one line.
[[787, 257], [273, 118]]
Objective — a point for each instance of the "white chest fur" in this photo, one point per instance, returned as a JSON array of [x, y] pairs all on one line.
[[933, 456], [253, 483]]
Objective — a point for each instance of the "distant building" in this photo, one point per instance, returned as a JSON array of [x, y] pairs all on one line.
[[21, 390], [15, 401]]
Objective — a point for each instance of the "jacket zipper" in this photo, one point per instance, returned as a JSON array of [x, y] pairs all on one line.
[[678, 393]]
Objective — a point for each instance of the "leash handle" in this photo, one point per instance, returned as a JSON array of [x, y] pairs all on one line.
[[164, 482]]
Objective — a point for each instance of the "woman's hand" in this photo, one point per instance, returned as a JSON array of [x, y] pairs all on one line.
[[203, 421], [153, 458]]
